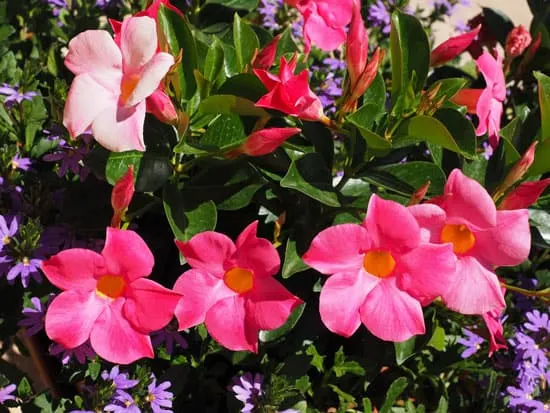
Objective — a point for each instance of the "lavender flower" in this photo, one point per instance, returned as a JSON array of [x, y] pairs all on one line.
[[462, 27], [487, 150], [248, 389], [25, 269], [522, 396], [443, 6], [537, 321], [158, 397], [472, 342], [54, 133], [268, 11], [170, 338], [33, 319], [70, 157], [123, 403], [105, 4], [7, 233], [120, 380], [57, 6], [5, 393], [81, 353], [529, 349], [21, 163], [379, 16], [14, 96]]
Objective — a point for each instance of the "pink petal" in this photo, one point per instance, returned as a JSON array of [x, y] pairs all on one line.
[[123, 190], [138, 42], [495, 115], [427, 271], [200, 290], [483, 108], [474, 290], [93, 51], [150, 77], [391, 314], [496, 331], [491, 69], [161, 106], [79, 114], [256, 254], [270, 304], [74, 269], [127, 254], [357, 44], [391, 225], [227, 324], [431, 220], [468, 98], [524, 195], [340, 248], [149, 306], [336, 13], [506, 244], [268, 79], [120, 129], [72, 315], [266, 57], [267, 140], [341, 298], [208, 251], [467, 202], [321, 35], [114, 339]]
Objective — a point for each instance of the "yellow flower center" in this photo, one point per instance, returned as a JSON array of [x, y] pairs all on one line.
[[460, 236], [379, 263], [111, 286], [239, 280], [6, 240]]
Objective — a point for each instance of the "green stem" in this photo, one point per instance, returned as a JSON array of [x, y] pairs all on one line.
[[541, 293]]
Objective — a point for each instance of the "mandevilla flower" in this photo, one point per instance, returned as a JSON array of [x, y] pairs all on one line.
[[231, 288], [290, 93], [107, 298], [264, 59], [524, 195], [465, 216], [493, 322], [380, 273], [117, 79]]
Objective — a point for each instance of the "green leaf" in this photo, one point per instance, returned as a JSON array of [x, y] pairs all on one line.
[[34, 115], [437, 340], [286, 44], [395, 390], [404, 350], [410, 52], [226, 132], [236, 4], [177, 33], [461, 128], [230, 104], [342, 366], [408, 177], [94, 368], [213, 63], [244, 85], [293, 263], [266, 336], [152, 170], [365, 116], [310, 176], [367, 405], [447, 87], [245, 41], [376, 93], [24, 389], [544, 103]]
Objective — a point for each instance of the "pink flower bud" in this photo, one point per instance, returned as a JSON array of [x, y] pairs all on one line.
[[452, 47], [419, 194], [520, 168], [122, 194], [357, 45], [517, 41], [266, 141], [265, 58], [524, 195]]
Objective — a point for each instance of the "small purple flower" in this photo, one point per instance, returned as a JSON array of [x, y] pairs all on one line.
[[539, 407], [33, 319], [443, 6], [529, 349], [379, 16], [334, 64], [522, 396], [170, 338], [268, 11], [81, 353], [7, 233], [120, 380], [462, 27], [25, 269], [54, 134], [71, 158], [248, 389], [472, 342], [57, 6], [5, 393], [487, 150], [13, 95], [537, 321], [105, 4], [158, 397], [21, 163], [123, 403]]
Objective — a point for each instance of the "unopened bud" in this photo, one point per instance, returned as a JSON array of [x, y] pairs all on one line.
[[517, 41]]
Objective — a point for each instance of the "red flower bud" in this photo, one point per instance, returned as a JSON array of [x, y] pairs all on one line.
[[122, 194], [265, 58], [267, 140], [452, 47], [524, 195], [517, 41]]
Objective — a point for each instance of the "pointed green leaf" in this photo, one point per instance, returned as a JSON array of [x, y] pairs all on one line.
[[245, 41]]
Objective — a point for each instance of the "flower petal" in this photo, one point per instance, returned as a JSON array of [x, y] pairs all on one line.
[[114, 339], [74, 269], [483, 108], [391, 314], [93, 51], [341, 298], [127, 254], [431, 220], [200, 290], [256, 254], [149, 306], [150, 77], [340, 248], [321, 35], [474, 290], [227, 323], [72, 315], [138, 42], [208, 251]]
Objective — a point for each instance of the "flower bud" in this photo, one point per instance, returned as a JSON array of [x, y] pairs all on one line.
[[517, 41], [520, 168], [122, 194], [524, 195], [265, 58], [357, 45], [419, 194], [452, 47]]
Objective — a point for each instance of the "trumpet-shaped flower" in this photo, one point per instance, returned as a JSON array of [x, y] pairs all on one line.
[[290, 93], [482, 238], [380, 273], [231, 288], [117, 80], [107, 298]]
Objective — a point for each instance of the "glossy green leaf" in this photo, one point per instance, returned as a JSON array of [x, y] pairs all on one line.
[[310, 176], [152, 170], [226, 132], [286, 44], [244, 85], [447, 88], [365, 116], [178, 36], [460, 128], [437, 340], [236, 4], [376, 93], [544, 103], [395, 390], [245, 41], [230, 104], [293, 263], [266, 336], [213, 63], [404, 350]]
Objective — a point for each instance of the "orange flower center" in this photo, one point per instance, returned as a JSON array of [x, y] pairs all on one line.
[[111, 286], [379, 263], [127, 87], [460, 236], [239, 280]]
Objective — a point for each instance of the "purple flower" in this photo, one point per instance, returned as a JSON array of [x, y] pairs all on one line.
[[25, 269], [21, 163], [472, 342], [55, 133], [462, 27], [538, 322], [80, 353], [33, 319], [7, 233], [170, 338], [522, 396], [248, 389], [379, 16], [268, 11], [487, 150], [334, 64], [58, 6], [13, 95], [158, 397], [529, 349], [443, 6], [104, 4], [539, 407], [71, 158], [123, 403], [120, 380], [5, 393]]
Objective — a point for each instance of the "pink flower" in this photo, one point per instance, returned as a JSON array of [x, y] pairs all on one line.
[[482, 238], [231, 288], [380, 273], [107, 299], [265, 141], [122, 194], [517, 41], [117, 80], [524, 195], [324, 22], [290, 93], [493, 322]]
